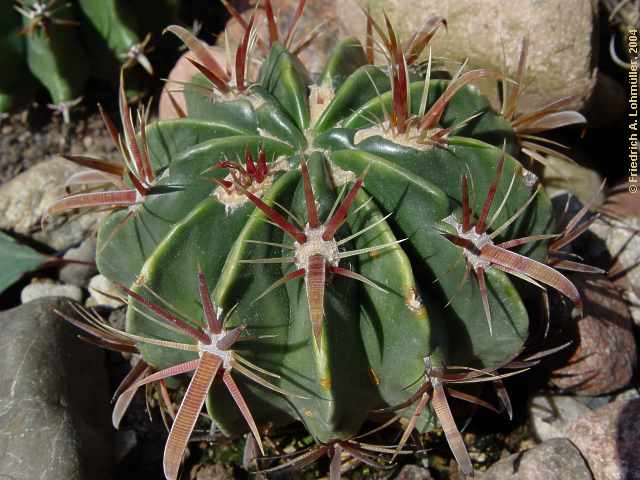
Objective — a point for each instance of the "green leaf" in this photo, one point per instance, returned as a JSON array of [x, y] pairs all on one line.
[[16, 260]]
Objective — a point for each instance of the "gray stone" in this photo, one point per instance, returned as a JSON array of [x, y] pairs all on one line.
[[556, 459], [26, 198], [609, 439], [76, 273], [212, 472], [37, 290], [623, 244], [562, 56], [117, 318], [414, 472], [54, 399], [551, 415]]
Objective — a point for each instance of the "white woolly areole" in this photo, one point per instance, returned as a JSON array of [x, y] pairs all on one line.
[[410, 138], [479, 240], [413, 301], [316, 245], [256, 101], [530, 179], [235, 199], [212, 348], [136, 203], [319, 97], [341, 176]]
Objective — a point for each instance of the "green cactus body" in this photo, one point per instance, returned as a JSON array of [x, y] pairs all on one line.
[[373, 343], [51, 41], [55, 59], [16, 84], [115, 21], [111, 33]]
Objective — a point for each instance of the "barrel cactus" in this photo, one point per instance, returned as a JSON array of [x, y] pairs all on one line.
[[305, 245]]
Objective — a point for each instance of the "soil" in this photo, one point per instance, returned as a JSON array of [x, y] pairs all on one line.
[[34, 134]]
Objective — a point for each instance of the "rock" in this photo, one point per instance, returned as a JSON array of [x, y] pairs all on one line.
[[551, 415], [117, 318], [605, 357], [609, 441], [76, 273], [99, 285], [212, 472], [37, 290], [618, 229], [562, 55], [556, 459], [183, 71], [630, 394], [54, 399], [26, 198], [414, 472]]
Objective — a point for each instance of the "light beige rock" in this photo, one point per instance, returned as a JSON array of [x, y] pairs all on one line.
[[556, 459], [562, 57], [37, 290], [99, 285], [550, 415], [623, 243], [24, 200]]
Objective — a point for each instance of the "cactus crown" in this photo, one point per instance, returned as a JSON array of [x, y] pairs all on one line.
[[335, 223]]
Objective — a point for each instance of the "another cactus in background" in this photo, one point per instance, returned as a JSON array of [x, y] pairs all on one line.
[[64, 43], [336, 222]]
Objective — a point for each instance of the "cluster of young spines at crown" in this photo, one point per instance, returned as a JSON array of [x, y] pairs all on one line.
[[233, 79], [213, 345], [423, 127], [243, 177]]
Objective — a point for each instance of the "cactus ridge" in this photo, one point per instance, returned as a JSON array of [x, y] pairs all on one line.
[[337, 222]]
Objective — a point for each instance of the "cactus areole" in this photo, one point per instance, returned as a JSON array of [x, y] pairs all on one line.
[[317, 237]]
